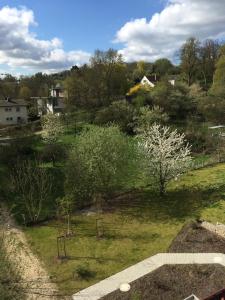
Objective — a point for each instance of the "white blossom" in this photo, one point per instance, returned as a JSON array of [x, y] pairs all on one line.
[[167, 155], [52, 127]]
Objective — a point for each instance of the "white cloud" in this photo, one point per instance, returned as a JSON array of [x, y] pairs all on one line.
[[165, 32], [19, 47]]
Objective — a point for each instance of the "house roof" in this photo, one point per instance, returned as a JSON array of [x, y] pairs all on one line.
[[193, 238], [153, 78], [12, 102], [172, 282]]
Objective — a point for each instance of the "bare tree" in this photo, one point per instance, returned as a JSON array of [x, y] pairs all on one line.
[[32, 184], [167, 155], [65, 207], [209, 54], [190, 59]]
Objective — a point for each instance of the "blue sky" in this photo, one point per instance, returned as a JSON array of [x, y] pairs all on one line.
[[85, 24], [53, 35]]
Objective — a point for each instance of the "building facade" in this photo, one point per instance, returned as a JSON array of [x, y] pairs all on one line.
[[13, 112], [53, 104]]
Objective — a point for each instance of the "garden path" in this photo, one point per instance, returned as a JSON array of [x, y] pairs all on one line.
[[35, 279]]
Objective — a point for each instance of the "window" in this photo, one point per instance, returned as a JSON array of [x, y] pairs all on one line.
[[18, 109], [9, 119], [8, 109]]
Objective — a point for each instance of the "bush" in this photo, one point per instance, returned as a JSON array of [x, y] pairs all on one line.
[[16, 150], [53, 153], [142, 97], [201, 138], [120, 112], [174, 100], [32, 188], [84, 272], [98, 164], [148, 117], [53, 127]]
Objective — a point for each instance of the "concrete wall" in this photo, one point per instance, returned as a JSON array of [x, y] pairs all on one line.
[[13, 115]]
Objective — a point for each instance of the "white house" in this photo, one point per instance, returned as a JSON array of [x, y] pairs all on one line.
[[149, 80], [153, 79], [52, 104], [13, 112]]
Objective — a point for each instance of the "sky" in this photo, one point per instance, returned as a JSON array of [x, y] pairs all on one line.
[[50, 36]]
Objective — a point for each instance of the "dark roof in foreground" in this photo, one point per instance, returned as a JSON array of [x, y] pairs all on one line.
[[193, 239], [12, 102], [175, 282]]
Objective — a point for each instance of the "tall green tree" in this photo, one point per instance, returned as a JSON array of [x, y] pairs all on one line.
[[98, 164], [213, 106], [78, 88], [218, 87], [174, 100], [163, 66], [9, 87], [189, 56], [120, 113], [101, 82], [25, 92], [209, 52]]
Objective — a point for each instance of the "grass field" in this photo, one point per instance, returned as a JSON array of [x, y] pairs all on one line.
[[140, 226]]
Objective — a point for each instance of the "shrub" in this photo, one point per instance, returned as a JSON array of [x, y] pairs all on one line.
[[148, 116], [16, 150], [119, 112], [142, 98], [84, 272], [53, 153], [52, 126], [98, 164], [32, 187], [202, 139]]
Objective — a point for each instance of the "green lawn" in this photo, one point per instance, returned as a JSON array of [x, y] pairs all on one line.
[[126, 241], [140, 227]]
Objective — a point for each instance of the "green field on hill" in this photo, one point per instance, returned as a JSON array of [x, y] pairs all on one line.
[[141, 225]]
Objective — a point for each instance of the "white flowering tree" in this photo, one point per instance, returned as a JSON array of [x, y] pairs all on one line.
[[167, 155], [52, 127]]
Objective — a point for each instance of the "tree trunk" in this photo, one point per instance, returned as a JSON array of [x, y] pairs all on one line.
[[162, 188], [98, 202], [68, 225]]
